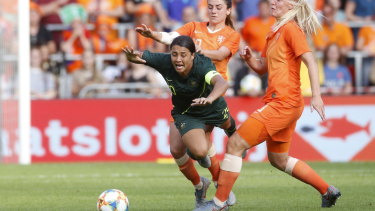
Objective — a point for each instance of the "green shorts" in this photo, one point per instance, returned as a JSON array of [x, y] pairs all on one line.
[[186, 122]]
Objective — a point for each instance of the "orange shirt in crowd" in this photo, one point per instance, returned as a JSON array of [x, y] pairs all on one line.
[[77, 49], [227, 37], [367, 33], [255, 30], [339, 33], [103, 5], [283, 50]]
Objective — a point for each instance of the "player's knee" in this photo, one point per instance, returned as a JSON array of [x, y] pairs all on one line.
[[235, 145], [278, 162], [177, 153]]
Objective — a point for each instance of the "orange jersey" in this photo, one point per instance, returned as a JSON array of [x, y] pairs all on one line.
[[255, 31], [367, 33], [339, 34], [227, 37], [282, 51]]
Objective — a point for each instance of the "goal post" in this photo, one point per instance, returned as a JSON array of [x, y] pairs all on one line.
[[15, 120]]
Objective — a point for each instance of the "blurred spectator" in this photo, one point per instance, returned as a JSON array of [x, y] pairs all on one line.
[[111, 9], [133, 6], [360, 10], [337, 6], [75, 41], [246, 9], [174, 9], [117, 72], [48, 64], [38, 33], [145, 15], [104, 39], [140, 73], [189, 14], [256, 28], [86, 75], [366, 44], [43, 83], [333, 32], [50, 14], [337, 78]]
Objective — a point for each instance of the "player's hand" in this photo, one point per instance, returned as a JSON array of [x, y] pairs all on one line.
[[202, 101], [144, 31], [133, 56], [318, 105], [247, 53]]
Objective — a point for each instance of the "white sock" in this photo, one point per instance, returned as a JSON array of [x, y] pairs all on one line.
[[218, 202], [199, 185]]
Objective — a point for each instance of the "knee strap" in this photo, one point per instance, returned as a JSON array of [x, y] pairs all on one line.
[[232, 127]]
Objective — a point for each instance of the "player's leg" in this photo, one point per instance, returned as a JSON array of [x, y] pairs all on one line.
[[251, 133], [278, 157], [186, 165]]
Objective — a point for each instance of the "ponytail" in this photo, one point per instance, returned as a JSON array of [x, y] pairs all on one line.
[[303, 14], [228, 19]]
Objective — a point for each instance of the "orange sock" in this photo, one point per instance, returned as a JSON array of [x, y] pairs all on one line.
[[225, 184], [306, 174], [215, 168], [190, 172]]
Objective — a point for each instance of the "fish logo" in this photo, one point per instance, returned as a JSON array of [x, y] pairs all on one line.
[[342, 128], [348, 131]]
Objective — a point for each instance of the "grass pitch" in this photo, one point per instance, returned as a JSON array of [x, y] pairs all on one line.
[[151, 186]]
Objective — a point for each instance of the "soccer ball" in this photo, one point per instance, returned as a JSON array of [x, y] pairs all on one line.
[[251, 85], [112, 200]]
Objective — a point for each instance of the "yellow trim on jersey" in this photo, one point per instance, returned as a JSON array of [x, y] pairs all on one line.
[[210, 75]]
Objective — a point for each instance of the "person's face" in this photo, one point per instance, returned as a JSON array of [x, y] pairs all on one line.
[[35, 57], [34, 17], [182, 59], [280, 7], [264, 10], [188, 14], [333, 53], [217, 11]]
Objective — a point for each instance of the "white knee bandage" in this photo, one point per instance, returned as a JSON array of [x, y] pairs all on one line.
[[182, 160], [290, 165], [212, 151], [231, 163]]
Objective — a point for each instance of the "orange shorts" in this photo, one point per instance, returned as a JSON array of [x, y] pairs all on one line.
[[274, 123]]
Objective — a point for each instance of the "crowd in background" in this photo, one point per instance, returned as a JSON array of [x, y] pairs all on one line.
[[76, 45]]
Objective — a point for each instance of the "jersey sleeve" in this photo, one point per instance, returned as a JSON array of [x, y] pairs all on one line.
[[156, 60], [296, 39], [186, 29], [207, 70], [233, 42]]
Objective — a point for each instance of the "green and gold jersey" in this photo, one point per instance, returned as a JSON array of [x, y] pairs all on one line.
[[184, 89]]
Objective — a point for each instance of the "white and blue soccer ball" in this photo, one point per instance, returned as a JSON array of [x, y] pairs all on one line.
[[112, 200]]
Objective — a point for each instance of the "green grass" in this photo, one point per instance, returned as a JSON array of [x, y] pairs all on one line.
[[152, 186]]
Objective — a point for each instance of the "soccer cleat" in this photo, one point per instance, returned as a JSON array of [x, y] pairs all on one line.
[[231, 199], [200, 195], [211, 206], [329, 199]]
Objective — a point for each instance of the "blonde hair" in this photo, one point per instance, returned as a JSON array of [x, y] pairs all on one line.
[[303, 14]]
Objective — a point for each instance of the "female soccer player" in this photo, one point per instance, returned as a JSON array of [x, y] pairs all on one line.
[[217, 40], [197, 90], [275, 122]]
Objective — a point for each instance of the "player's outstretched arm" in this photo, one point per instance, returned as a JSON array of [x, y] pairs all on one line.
[[133, 56], [163, 37], [258, 65]]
